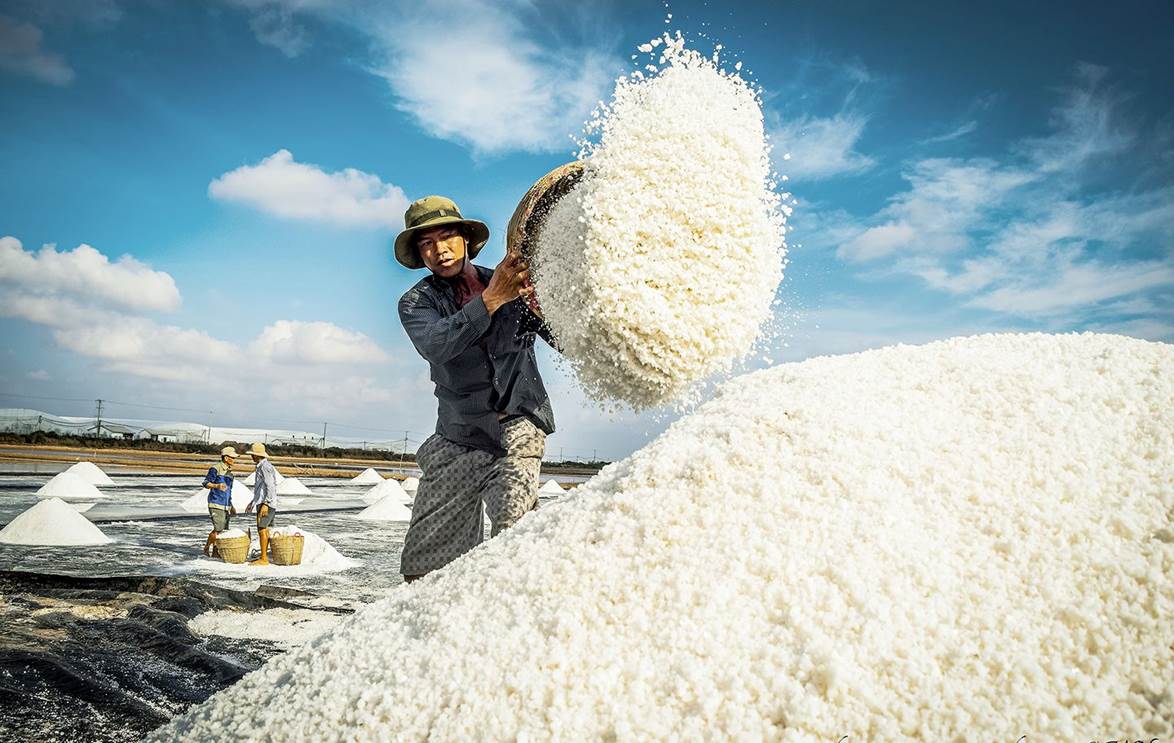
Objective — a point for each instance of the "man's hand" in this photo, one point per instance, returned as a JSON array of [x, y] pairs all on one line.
[[510, 281], [221, 486]]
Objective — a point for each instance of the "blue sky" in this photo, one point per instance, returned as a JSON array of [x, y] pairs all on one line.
[[237, 169]]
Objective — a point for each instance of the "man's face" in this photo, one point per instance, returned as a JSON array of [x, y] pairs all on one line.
[[228, 460], [442, 249]]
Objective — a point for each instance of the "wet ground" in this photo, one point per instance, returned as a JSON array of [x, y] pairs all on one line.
[[95, 642]]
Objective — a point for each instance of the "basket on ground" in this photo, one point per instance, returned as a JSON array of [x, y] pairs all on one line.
[[233, 549], [286, 549]]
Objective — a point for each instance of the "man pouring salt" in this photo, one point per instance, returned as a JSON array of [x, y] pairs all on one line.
[[476, 328]]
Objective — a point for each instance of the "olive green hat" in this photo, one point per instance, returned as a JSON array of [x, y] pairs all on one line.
[[434, 211]]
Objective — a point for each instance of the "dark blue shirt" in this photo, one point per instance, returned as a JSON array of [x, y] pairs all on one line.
[[483, 367]]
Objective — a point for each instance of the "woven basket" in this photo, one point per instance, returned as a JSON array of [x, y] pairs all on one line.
[[286, 549], [232, 549], [537, 202]]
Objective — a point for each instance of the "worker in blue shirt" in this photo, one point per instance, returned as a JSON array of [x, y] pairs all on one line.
[[218, 481]]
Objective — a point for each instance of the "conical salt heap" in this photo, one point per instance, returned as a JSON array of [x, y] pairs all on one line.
[[411, 485], [911, 543], [387, 508], [550, 487], [52, 522], [70, 486], [91, 473], [367, 477], [292, 486], [388, 487]]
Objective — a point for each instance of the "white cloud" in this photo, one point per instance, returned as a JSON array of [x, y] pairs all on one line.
[[21, 53], [1086, 126], [1076, 285], [947, 199], [283, 187], [474, 72], [293, 342], [39, 375], [275, 22], [84, 272], [820, 147], [956, 133]]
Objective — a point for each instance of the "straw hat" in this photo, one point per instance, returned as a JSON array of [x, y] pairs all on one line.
[[228, 451], [258, 450], [434, 211], [537, 202]]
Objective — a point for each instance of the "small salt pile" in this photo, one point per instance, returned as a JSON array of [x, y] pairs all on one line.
[[969, 539], [551, 488], [251, 480], [91, 473], [292, 486], [367, 477], [69, 486], [52, 522], [387, 508], [197, 502], [388, 487], [411, 485], [658, 269], [232, 534]]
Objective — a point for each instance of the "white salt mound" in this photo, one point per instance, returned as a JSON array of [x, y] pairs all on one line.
[[251, 480], [91, 473], [51, 522], [411, 485], [367, 477], [661, 265], [292, 486], [550, 487], [69, 486], [389, 508], [288, 627], [197, 502], [232, 533], [966, 538], [388, 487]]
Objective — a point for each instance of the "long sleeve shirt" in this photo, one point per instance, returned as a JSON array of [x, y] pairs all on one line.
[[484, 367], [265, 489], [219, 474]]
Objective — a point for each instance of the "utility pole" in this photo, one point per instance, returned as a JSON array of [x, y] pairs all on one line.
[[404, 451], [99, 423], [560, 455], [208, 429], [594, 458], [323, 447]]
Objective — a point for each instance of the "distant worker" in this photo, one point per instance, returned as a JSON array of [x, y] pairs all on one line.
[[218, 481], [493, 413], [264, 498]]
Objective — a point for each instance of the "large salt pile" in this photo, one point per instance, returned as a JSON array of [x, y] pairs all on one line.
[[91, 473], [660, 266], [69, 486], [388, 487], [388, 508], [965, 539], [367, 477], [292, 486], [251, 480], [51, 522]]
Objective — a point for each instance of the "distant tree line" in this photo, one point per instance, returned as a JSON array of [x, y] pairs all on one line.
[[50, 438]]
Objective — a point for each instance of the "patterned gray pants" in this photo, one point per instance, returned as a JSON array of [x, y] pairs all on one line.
[[446, 514]]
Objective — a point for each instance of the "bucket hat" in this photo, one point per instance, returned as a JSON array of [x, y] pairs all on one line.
[[258, 450], [434, 211], [228, 451]]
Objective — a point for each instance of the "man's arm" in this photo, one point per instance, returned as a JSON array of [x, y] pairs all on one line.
[[440, 339], [213, 480]]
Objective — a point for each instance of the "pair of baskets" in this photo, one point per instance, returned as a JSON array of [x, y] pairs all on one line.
[[284, 549]]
